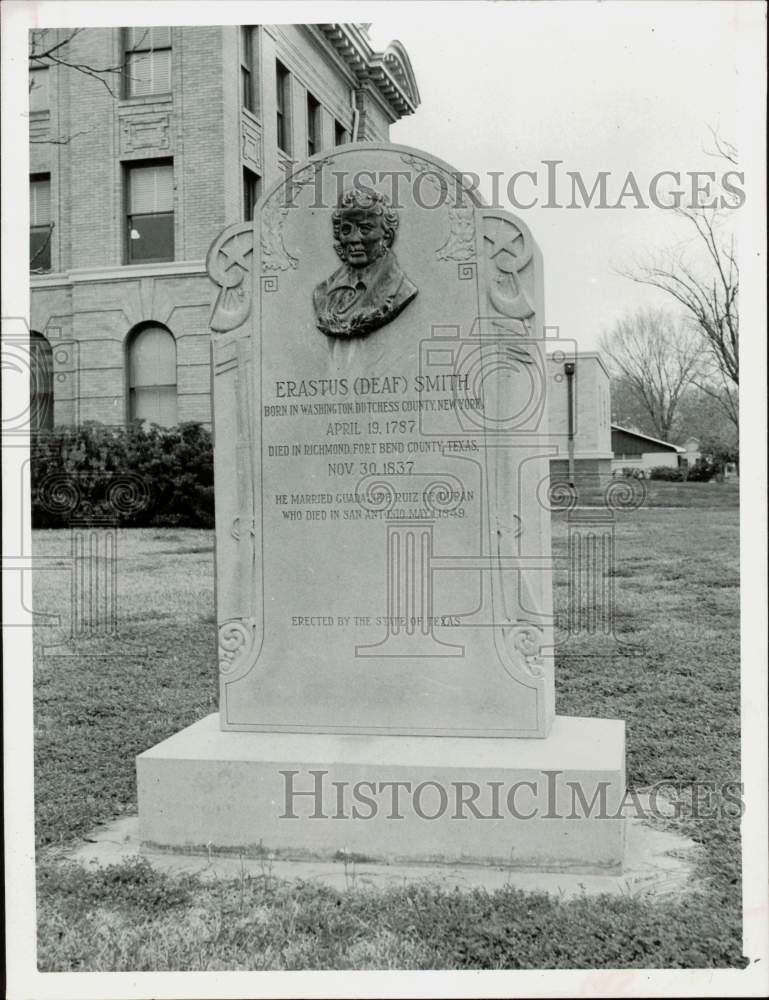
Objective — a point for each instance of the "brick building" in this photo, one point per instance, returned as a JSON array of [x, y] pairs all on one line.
[[128, 189]]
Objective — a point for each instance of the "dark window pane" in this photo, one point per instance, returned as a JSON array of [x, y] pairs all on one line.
[[251, 193], [313, 125], [282, 107], [40, 248], [40, 384], [340, 135], [248, 91], [151, 237], [245, 46]]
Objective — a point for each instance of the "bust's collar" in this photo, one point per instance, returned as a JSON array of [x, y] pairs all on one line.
[[350, 276]]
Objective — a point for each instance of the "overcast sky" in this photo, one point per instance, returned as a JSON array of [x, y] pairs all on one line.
[[611, 86], [602, 86]]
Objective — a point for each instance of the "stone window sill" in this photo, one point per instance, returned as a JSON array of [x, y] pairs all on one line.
[[150, 99]]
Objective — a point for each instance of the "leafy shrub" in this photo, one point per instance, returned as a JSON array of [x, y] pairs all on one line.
[[134, 476], [633, 472], [666, 474], [702, 471]]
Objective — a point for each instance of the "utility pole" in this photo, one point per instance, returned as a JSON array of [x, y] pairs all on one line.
[[569, 369]]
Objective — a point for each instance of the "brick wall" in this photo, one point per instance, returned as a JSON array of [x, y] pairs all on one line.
[[203, 128], [203, 185]]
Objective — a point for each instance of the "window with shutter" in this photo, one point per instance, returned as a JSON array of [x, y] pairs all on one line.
[[150, 221], [147, 61], [152, 376], [40, 222]]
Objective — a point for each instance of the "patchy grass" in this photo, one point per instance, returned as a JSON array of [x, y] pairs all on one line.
[[675, 577], [657, 493], [133, 918], [115, 697], [673, 674]]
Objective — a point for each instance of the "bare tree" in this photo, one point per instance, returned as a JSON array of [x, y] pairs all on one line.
[[708, 289], [702, 417], [657, 357], [58, 47], [46, 49]]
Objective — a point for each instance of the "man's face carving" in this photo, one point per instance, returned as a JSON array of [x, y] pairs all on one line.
[[361, 236]]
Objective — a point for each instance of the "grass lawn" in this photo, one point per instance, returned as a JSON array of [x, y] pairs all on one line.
[[677, 600]]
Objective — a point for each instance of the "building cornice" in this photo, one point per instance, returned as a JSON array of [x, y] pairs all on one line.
[[390, 71]]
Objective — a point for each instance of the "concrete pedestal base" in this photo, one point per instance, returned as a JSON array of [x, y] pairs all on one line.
[[548, 803]]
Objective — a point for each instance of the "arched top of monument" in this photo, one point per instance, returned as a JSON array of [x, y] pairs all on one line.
[[458, 186]]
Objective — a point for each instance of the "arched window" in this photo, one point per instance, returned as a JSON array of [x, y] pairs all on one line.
[[40, 383], [152, 376]]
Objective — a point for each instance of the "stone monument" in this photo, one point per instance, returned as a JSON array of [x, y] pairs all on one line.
[[384, 592]]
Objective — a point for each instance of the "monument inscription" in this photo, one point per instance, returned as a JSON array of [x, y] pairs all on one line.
[[383, 564]]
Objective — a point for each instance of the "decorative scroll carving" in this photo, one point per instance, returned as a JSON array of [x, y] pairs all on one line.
[[235, 528], [229, 264], [236, 641], [526, 641], [145, 132]]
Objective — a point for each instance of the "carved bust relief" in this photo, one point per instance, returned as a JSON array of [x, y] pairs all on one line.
[[369, 289]]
